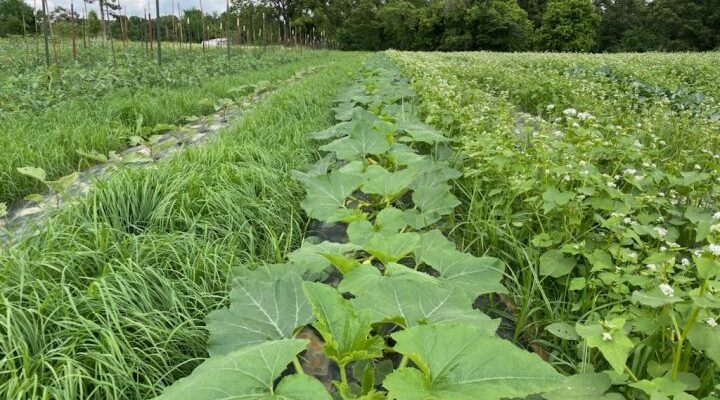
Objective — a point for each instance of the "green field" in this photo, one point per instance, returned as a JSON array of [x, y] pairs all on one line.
[[394, 225]]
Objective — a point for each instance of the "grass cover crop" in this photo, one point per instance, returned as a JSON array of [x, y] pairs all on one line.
[[94, 108], [107, 302], [393, 301], [597, 182]]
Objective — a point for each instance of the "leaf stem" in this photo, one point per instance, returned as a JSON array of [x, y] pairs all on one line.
[[403, 362], [632, 376], [682, 335], [343, 375], [298, 366]]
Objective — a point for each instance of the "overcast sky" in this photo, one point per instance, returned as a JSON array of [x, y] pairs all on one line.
[[135, 7]]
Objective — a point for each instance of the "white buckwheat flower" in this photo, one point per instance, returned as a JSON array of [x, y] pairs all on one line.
[[611, 184], [570, 111], [663, 248], [667, 290], [711, 322], [637, 144], [628, 220], [660, 231], [630, 171], [606, 336], [685, 262], [697, 166], [716, 216], [715, 249], [652, 267]]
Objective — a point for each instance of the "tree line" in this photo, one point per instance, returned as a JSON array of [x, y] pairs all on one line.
[[445, 25]]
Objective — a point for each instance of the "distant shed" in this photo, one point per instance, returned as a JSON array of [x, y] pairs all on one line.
[[215, 42]]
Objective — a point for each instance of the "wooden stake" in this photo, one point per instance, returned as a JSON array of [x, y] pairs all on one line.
[[157, 28], [202, 20], [72, 23], [46, 28]]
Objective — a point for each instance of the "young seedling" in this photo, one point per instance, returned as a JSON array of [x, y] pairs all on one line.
[[148, 155], [91, 156], [57, 187], [202, 121], [222, 107]]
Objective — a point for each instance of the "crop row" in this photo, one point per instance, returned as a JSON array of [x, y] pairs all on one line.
[[391, 298], [605, 212], [104, 118]]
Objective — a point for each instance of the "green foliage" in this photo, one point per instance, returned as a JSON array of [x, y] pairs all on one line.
[[461, 362], [401, 277], [250, 373], [92, 106], [13, 13], [582, 175], [569, 25], [108, 301]]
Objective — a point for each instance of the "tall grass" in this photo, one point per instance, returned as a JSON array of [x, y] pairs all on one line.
[[108, 301], [49, 138]]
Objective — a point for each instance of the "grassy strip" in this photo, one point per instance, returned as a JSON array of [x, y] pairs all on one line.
[[108, 302], [50, 141]]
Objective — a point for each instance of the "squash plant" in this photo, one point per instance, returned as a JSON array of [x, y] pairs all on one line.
[[57, 187], [399, 323]]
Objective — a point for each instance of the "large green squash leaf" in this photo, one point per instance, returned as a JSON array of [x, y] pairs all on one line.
[[345, 330], [584, 387], [249, 374], [326, 195], [434, 202], [311, 260], [33, 172], [391, 248], [464, 362], [362, 141], [259, 311], [387, 184], [420, 132], [412, 302], [475, 275]]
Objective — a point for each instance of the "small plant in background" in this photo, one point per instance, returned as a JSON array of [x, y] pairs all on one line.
[[3, 210], [222, 108], [201, 120], [57, 187]]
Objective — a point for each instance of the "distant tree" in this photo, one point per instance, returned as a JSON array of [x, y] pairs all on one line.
[[534, 9], [686, 25], [93, 23], [361, 30], [569, 25], [625, 26], [398, 21], [11, 17], [500, 25]]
